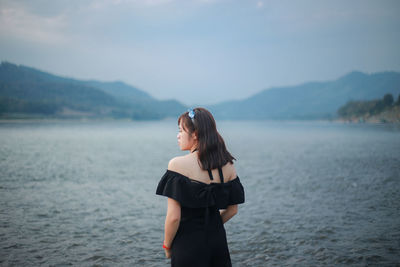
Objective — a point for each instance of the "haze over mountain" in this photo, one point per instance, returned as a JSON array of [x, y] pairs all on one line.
[[313, 100], [28, 92]]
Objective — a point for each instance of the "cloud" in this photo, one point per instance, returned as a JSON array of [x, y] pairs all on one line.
[[17, 22], [100, 4], [179, 48]]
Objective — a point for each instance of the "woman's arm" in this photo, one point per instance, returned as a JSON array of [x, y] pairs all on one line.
[[227, 214], [171, 223]]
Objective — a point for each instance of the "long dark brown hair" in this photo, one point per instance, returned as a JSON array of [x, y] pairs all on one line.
[[211, 146]]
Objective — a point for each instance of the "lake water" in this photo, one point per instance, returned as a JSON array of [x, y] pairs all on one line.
[[83, 193]]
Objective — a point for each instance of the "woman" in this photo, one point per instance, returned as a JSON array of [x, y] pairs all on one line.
[[203, 191]]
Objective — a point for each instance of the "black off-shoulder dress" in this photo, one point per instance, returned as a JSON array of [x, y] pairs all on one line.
[[201, 238]]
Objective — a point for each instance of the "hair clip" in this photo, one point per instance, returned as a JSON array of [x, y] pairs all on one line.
[[191, 114]]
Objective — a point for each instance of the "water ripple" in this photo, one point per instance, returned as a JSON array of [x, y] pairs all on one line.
[[317, 194]]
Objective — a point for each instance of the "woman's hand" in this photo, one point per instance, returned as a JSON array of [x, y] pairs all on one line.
[[228, 213], [167, 253]]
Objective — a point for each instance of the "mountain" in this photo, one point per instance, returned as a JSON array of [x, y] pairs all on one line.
[[25, 90], [312, 100], [28, 92], [128, 94]]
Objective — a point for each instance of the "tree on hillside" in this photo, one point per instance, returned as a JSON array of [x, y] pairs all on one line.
[[388, 99], [366, 108], [360, 108]]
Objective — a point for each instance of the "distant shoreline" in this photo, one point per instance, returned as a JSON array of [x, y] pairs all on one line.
[[49, 120], [360, 121], [85, 120]]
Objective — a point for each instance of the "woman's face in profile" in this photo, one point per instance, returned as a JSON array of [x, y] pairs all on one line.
[[185, 141]]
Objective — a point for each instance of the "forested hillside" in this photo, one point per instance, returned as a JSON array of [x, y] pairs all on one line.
[[26, 92]]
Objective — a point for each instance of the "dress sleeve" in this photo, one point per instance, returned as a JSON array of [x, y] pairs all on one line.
[[170, 186], [188, 194], [236, 194]]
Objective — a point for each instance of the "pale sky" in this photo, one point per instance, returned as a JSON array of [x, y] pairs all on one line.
[[202, 51]]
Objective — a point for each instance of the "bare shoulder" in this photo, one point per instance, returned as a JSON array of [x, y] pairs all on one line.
[[229, 171], [175, 163], [180, 164]]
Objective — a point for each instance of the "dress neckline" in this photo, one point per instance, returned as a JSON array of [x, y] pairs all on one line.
[[197, 181]]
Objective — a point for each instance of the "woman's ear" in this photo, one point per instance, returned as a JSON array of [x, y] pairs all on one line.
[[194, 136]]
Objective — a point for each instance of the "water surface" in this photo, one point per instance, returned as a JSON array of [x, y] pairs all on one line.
[[83, 193]]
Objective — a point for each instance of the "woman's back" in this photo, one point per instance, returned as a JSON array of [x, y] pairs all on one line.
[[188, 165], [203, 192], [200, 239]]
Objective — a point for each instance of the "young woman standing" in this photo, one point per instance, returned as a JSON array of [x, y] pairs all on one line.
[[203, 191]]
